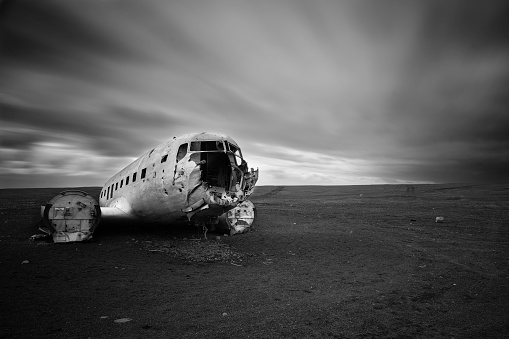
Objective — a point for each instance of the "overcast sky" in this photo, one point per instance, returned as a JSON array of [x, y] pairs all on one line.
[[315, 92]]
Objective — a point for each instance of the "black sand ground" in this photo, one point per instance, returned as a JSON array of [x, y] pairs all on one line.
[[337, 262]]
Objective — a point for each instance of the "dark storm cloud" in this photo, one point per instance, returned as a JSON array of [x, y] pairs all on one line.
[[471, 26], [451, 101], [55, 35], [20, 140], [115, 131]]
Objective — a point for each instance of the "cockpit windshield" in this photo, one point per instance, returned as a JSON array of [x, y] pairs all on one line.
[[207, 146], [233, 151]]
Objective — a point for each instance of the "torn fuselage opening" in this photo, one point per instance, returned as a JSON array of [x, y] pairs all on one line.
[[215, 169], [221, 164], [216, 183]]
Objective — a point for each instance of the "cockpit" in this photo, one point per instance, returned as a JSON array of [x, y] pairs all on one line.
[[218, 180], [221, 164]]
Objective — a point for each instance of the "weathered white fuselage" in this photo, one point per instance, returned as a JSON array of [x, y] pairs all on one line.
[[199, 175]]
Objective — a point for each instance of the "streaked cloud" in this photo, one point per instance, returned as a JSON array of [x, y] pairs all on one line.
[[315, 92]]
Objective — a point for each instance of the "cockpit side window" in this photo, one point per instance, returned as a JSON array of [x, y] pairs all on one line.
[[182, 151], [235, 150], [237, 159]]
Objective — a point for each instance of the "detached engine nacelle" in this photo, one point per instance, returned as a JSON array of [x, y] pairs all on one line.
[[70, 216], [239, 219]]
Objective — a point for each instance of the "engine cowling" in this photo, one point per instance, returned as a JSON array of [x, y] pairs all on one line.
[[71, 216], [239, 219]]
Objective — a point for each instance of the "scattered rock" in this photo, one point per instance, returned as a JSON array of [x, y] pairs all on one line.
[[25, 262], [122, 320], [39, 236], [439, 219]]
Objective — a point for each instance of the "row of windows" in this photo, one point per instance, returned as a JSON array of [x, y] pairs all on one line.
[[108, 193]]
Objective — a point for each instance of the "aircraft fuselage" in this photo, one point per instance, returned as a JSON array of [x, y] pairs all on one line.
[[200, 175]]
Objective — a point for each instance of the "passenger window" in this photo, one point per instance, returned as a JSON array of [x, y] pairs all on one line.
[[127, 181], [182, 152], [143, 173], [163, 159], [112, 186], [116, 186], [134, 176], [108, 194], [121, 183]]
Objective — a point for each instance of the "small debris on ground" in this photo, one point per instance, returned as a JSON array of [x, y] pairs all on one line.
[[196, 250], [25, 262], [122, 320], [39, 236]]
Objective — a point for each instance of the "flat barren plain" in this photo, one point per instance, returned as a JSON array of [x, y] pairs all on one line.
[[321, 262]]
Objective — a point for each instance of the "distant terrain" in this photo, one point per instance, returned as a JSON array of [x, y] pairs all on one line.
[[322, 262]]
